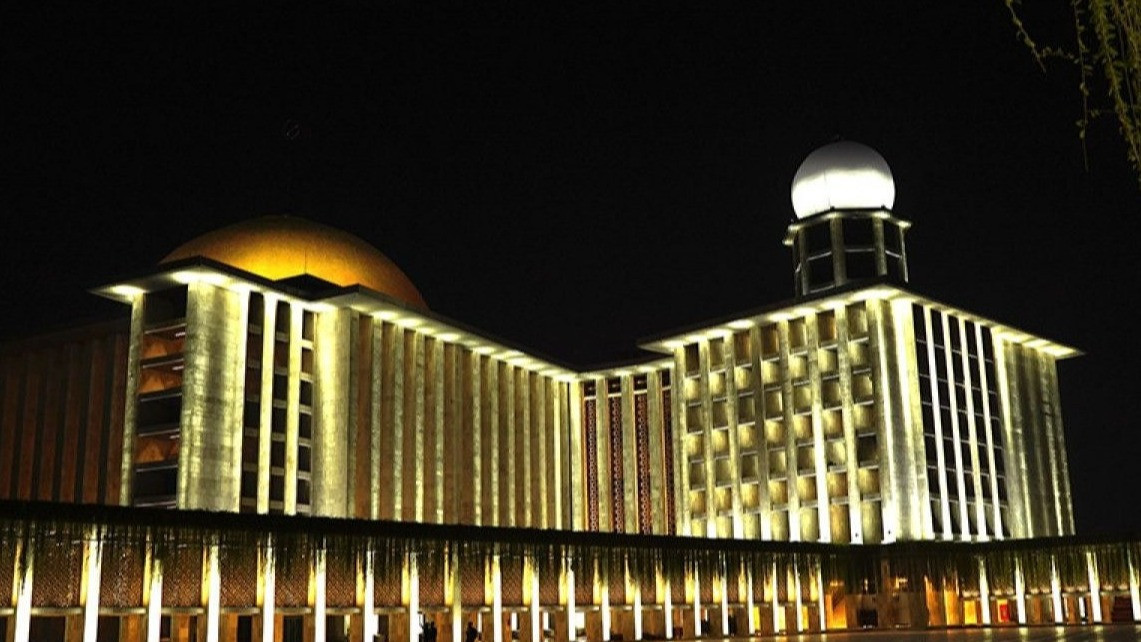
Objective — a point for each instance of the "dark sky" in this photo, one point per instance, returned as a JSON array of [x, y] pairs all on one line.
[[576, 179]]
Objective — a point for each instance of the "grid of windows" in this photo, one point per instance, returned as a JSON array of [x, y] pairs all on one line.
[[964, 450]]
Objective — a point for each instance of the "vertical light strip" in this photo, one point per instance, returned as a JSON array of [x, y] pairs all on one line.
[[1055, 590], [1020, 591], [412, 575], [24, 576], [602, 588], [984, 592], [319, 597], [972, 434], [695, 581], [722, 582], [952, 401], [984, 386], [665, 590], [937, 415], [1094, 586], [750, 600], [704, 357], [213, 592], [292, 409], [265, 409], [913, 500], [760, 415], [154, 595], [496, 600], [92, 565], [576, 497], [800, 623], [455, 582], [845, 346], [634, 585], [568, 571], [890, 474], [732, 415], [822, 603], [268, 587], [775, 600], [417, 420], [376, 422], [533, 599], [788, 400], [654, 419], [680, 429], [1018, 498], [820, 464], [1134, 590], [368, 608]]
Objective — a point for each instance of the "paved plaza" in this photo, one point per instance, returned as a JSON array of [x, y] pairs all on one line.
[[1094, 633]]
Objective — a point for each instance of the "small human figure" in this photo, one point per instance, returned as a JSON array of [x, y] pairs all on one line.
[[430, 631], [471, 634]]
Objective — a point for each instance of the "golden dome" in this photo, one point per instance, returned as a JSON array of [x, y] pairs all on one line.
[[280, 247]]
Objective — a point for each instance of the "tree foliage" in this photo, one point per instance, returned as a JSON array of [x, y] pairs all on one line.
[[1107, 52]]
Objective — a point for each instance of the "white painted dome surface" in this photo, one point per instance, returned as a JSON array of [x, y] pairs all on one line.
[[842, 175]]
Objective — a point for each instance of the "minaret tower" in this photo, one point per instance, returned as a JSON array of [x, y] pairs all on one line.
[[845, 230]]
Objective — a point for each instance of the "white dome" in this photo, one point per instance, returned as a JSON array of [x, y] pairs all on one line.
[[842, 175]]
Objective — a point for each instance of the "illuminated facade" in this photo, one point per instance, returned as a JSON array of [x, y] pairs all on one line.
[[278, 366]]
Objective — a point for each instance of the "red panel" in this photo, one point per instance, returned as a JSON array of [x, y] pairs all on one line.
[[118, 402], [96, 402]]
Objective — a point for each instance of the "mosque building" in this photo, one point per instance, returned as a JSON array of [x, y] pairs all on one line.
[[749, 475]]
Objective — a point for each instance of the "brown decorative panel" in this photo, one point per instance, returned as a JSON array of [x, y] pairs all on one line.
[[58, 573], [617, 480], [642, 447], [733, 586], [591, 429], [431, 569], [706, 579], [583, 584], [7, 565], [341, 579], [183, 567], [616, 582], [471, 580], [549, 589], [239, 569], [677, 591], [291, 581], [121, 576], [387, 581], [511, 580]]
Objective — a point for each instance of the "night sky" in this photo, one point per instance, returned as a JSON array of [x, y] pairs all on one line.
[[576, 179]]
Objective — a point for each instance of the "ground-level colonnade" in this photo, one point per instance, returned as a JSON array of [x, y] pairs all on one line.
[[91, 573]]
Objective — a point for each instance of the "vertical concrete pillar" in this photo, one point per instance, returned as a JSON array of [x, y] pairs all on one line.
[[267, 590], [319, 611], [456, 604], [213, 590], [533, 599], [1019, 592], [1094, 587], [695, 581], [602, 575], [750, 600], [89, 597], [572, 634], [665, 591], [496, 600], [1056, 590], [412, 573], [22, 590], [1134, 591], [153, 595]]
